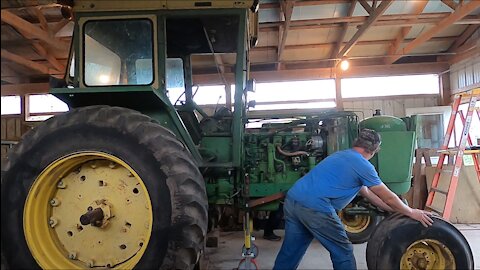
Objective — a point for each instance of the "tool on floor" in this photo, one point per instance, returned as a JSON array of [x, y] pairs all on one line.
[[249, 250]]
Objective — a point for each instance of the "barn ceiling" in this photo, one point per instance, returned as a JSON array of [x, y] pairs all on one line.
[[297, 40]]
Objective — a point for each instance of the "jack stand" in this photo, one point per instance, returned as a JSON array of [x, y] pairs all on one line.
[[249, 250]]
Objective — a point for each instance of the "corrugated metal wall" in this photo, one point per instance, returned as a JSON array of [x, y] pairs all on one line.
[[465, 73], [389, 105]]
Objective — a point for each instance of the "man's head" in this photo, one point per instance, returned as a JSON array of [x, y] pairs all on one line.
[[369, 140]]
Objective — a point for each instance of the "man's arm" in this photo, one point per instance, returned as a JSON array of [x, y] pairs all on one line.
[[392, 200], [371, 197]]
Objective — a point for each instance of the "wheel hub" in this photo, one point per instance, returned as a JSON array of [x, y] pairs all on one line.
[[99, 213], [355, 223], [427, 254]]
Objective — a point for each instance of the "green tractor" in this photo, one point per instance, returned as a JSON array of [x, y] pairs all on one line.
[[126, 179]]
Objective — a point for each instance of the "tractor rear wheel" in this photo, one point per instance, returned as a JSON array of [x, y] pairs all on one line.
[[102, 186], [400, 242]]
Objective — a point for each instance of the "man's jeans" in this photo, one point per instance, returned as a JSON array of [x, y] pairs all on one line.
[[302, 224]]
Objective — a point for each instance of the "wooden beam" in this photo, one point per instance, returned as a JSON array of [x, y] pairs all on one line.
[[44, 52], [398, 41], [12, 80], [451, 4], [343, 32], [371, 19], [50, 57], [328, 73], [24, 89], [59, 25], [465, 54], [445, 91], [43, 22], [25, 26], [366, 6], [305, 3], [360, 43], [25, 62], [338, 93], [288, 10], [463, 37], [458, 14], [418, 9], [384, 20]]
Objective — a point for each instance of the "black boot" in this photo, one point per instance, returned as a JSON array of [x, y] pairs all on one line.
[[272, 237]]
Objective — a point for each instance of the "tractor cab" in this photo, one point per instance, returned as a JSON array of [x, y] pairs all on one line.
[[146, 53]]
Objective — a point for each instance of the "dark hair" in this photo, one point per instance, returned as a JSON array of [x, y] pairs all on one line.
[[368, 139]]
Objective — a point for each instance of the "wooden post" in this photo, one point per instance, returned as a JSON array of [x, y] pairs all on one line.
[[338, 93], [445, 91]]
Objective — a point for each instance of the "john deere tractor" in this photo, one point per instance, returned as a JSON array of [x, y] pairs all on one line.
[[126, 179]]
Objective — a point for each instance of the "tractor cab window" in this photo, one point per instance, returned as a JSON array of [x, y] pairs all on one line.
[[118, 52], [175, 80]]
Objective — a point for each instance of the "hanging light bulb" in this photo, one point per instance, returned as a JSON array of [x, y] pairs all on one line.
[[344, 65]]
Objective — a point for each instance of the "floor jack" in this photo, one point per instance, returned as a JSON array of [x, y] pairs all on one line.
[[249, 250]]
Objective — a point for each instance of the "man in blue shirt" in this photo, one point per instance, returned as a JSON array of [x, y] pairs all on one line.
[[312, 203]]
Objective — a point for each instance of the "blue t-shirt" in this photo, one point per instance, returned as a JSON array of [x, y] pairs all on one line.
[[334, 182]]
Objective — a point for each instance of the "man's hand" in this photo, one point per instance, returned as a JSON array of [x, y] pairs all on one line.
[[422, 216], [392, 200]]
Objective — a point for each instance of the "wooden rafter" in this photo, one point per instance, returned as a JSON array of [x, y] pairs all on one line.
[[366, 6], [26, 27], [44, 52], [25, 62], [458, 14], [371, 19], [360, 43], [463, 37], [9, 75], [404, 31], [43, 21], [384, 20], [50, 57], [287, 11], [343, 32], [305, 3], [25, 89], [59, 25], [324, 73], [451, 4]]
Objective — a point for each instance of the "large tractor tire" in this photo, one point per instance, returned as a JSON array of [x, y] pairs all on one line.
[[400, 242], [359, 227], [102, 186]]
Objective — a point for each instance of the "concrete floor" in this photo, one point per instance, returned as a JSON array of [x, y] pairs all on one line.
[[228, 253]]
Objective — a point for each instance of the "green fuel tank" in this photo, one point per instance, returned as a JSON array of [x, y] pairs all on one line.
[[394, 161]]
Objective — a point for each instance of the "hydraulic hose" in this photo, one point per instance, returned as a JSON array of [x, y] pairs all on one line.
[[291, 154]]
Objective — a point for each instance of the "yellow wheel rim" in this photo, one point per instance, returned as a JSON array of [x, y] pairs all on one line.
[[427, 254], [81, 184], [355, 223]]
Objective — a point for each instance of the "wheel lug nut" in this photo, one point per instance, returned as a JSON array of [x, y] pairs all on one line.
[[72, 255], [61, 185], [54, 202], [112, 165], [93, 166], [52, 222]]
